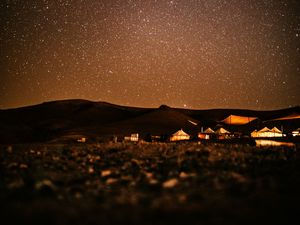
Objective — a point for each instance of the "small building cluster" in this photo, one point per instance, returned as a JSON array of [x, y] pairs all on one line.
[[210, 134], [266, 132], [229, 128], [207, 134], [133, 137]]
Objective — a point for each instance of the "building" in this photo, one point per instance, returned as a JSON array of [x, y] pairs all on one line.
[[207, 134], [179, 136], [222, 133], [238, 120], [266, 132], [155, 138], [81, 140], [133, 137], [296, 132]]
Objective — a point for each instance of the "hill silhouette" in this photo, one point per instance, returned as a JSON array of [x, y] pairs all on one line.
[[52, 120], [153, 121]]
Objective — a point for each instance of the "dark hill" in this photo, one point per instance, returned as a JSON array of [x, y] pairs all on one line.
[[51, 120], [156, 122]]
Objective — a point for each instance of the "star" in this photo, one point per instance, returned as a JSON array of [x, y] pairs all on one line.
[[190, 54]]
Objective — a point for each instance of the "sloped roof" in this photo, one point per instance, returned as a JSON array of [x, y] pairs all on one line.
[[222, 131], [296, 131], [180, 133], [265, 129], [289, 117], [209, 131], [276, 130], [238, 120]]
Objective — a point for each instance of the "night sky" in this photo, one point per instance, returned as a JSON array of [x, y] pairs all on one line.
[[183, 53]]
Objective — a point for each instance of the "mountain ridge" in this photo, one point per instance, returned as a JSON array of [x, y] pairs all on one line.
[[51, 120]]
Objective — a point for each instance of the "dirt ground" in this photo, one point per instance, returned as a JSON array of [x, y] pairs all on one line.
[[183, 183]]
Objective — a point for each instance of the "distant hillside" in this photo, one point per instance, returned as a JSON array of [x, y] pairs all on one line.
[[154, 121], [51, 120]]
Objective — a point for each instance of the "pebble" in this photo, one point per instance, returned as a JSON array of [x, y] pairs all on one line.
[[78, 195], [170, 183], [148, 175], [153, 181], [43, 183], [238, 177], [91, 170], [105, 173], [12, 165], [23, 166], [110, 181], [182, 198], [184, 175], [9, 149], [18, 183]]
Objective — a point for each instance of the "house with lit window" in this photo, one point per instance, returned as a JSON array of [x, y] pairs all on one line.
[[222, 133], [206, 134], [180, 135], [296, 132], [133, 137]]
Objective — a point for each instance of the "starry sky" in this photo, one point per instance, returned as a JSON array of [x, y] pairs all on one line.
[[184, 53]]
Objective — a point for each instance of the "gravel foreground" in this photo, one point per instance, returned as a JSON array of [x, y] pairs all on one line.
[[164, 183]]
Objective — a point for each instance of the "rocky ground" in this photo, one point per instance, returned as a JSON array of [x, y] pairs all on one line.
[[184, 183]]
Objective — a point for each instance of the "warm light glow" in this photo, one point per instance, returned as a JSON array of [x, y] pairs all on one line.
[[82, 140], [290, 117], [296, 132], [221, 131], [206, 134], [238, 120], [179, 136], [266, 132], [132, 137], [273, 143], [203, 136]]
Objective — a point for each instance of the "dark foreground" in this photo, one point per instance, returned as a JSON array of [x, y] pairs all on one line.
[[149, 184]]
